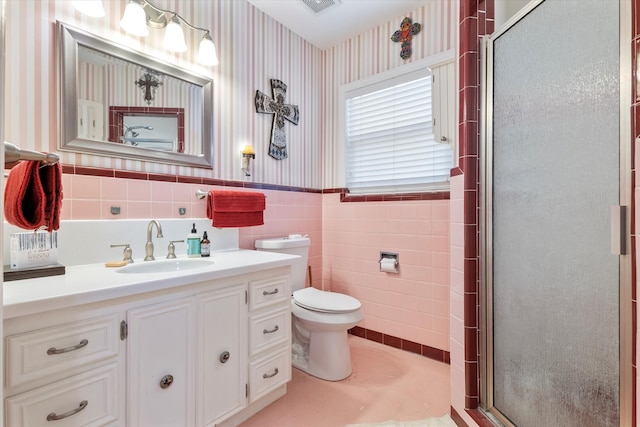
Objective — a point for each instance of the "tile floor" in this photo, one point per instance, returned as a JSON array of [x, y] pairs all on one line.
[[386, 384]]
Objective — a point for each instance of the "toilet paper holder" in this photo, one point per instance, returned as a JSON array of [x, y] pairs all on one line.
[[389, 262]]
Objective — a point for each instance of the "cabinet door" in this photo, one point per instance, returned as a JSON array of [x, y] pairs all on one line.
[[160, 364], [223, 354]]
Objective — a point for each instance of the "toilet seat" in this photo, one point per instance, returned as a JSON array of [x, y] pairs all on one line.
[[325, 302]]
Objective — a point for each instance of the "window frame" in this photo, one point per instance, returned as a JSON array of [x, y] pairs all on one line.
[[346, 90]]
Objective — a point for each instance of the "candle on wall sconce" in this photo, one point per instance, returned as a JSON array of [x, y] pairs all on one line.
[[247, 155]]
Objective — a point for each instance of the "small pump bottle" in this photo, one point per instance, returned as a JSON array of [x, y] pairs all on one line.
[[205, 245], [193, 243]]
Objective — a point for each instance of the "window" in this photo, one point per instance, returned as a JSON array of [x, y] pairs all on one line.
[[391, 144]]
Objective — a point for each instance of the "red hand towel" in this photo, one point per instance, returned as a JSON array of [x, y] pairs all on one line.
[[235, 208], [237, 201], [33, 196], [237, 219]]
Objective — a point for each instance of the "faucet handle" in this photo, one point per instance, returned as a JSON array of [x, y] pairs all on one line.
[[126, 253], [172, 249]]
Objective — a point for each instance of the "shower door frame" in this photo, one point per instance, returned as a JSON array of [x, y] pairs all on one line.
[[626, 327]]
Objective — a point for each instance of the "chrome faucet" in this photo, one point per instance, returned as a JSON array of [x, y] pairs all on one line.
[[148, 248]]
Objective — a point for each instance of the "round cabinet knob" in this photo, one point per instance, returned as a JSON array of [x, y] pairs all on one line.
[[224, 357], [166, 381]]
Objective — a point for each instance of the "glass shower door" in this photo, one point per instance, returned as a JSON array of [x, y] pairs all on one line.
[[555, 173]]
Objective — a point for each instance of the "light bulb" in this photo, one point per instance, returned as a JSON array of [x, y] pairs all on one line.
[[134, 20], [92, 8], [207, 54], [174, 36]]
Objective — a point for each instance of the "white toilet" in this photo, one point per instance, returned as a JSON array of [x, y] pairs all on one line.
[[320, 319]]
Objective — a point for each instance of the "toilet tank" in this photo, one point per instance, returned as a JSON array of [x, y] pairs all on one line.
[[294, 244]]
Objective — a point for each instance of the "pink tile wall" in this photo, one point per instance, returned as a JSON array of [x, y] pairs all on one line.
[[457, 327], [288, 212], [412, 305], [291, 212]]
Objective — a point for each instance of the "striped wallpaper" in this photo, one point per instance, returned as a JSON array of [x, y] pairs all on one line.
[[252, 49], [371, 53]]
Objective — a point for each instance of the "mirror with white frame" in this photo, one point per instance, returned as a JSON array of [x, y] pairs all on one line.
[[122, 103]]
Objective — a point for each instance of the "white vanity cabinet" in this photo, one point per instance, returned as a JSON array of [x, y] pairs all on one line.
[[222, 355], [160, 369], [205, 353], [64, 371], [269, 335]]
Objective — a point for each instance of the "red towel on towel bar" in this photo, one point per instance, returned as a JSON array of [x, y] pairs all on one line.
[[33, 196], [235, 208]]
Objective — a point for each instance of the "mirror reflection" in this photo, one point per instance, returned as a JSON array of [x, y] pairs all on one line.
[[117, 101]]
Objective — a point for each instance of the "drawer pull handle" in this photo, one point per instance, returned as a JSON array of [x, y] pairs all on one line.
[[273, 292], [53, 417], [166, 381], [275, 372], [78, 346], [270, 331], [224, 357]]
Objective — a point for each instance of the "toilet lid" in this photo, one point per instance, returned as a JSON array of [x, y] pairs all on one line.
[[327, 302]]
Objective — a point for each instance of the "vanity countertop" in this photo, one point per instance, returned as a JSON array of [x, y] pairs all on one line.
[[90, 283]]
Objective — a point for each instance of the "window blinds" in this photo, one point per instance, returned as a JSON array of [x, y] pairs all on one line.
[[391, 147]]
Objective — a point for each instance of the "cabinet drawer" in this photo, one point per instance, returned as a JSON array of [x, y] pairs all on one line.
[[263, 293], [268, 330], [87, 399], [53, 353], [269, 373]]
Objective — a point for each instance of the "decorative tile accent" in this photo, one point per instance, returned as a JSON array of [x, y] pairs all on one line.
[[402, 344]]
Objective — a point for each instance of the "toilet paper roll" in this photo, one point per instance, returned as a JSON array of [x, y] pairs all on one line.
[[388, 265]]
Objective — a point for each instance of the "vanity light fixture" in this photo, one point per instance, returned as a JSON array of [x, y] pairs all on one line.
[[174, 36], [247, 155], [140, 14], [134, 20]]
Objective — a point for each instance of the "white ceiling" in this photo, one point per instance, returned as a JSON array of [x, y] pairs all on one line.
[[337, 23]]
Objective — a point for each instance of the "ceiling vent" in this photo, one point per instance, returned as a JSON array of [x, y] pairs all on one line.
[[320, 5]]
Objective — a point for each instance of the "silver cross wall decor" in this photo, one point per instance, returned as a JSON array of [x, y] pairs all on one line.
[[281, 111]]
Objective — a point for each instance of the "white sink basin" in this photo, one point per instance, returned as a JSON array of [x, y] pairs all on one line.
[[165, 266]]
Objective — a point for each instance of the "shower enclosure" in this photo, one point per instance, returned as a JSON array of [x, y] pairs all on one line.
[[556, 190]]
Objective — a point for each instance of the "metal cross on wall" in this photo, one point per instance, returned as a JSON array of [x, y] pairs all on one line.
[[405, 34], [281, 111], [148, 83]]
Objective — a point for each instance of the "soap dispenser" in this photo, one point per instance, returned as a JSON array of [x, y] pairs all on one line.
[[193, 243], [205, 245]]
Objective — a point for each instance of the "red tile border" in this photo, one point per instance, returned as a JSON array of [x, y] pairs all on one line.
[[457, 418], [131, 175], [83, 170], [476, 17], [480, 418], [124, 174], [345, 198], [402, 344]]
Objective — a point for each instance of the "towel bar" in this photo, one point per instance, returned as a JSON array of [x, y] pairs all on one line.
[[14, 154], [201, 194]]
